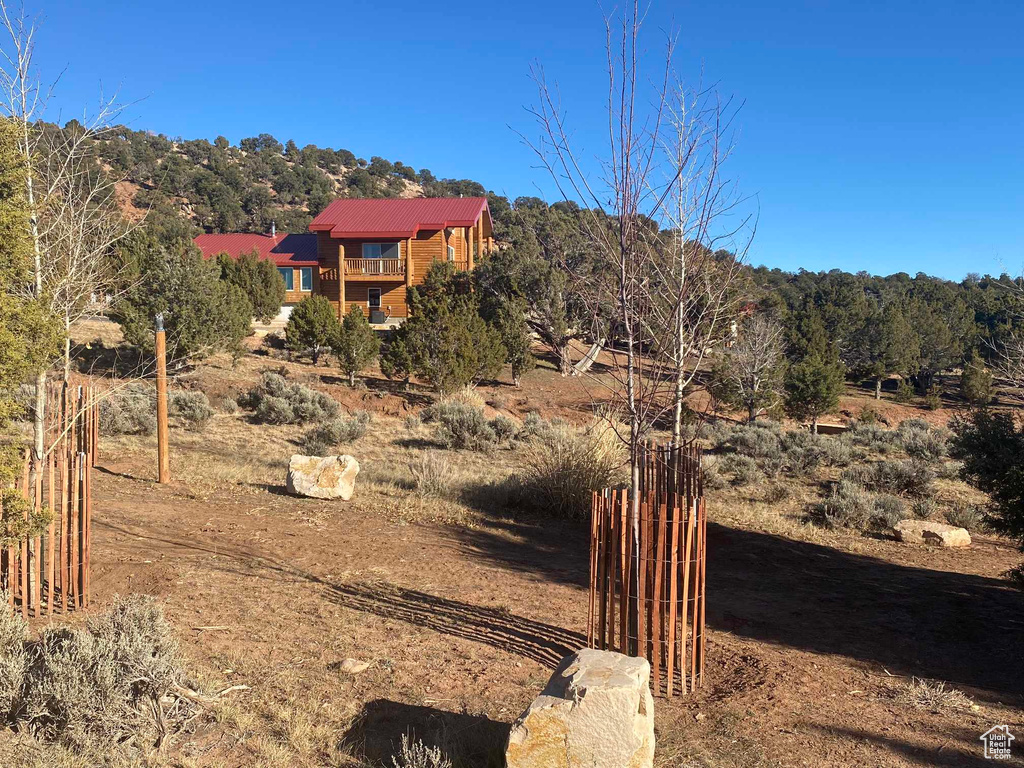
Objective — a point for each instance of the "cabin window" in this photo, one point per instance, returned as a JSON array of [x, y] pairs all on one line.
[[306, 278], [380, 250], [373, 300], [288, 275], [451, 253]]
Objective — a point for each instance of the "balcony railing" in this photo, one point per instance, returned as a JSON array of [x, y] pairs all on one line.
[[375, 267]]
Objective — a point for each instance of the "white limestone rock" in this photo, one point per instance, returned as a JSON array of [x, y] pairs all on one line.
[[595, 712]]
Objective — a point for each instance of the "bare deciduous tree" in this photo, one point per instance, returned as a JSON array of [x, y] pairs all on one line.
[[753, 365], [73, 218]]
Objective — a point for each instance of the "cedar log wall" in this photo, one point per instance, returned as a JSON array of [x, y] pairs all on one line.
[[427, 247]]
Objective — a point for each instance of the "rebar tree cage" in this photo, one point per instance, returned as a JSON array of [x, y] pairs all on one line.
[[664, 623]]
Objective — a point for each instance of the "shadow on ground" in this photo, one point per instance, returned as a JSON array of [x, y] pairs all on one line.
[[467, 740]]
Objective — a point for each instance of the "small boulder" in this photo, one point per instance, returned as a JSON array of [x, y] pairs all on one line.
[[353, 666], [596, 710], [932, 534], [323, 477]]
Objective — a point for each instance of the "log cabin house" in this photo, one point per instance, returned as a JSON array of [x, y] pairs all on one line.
[[368, 253]]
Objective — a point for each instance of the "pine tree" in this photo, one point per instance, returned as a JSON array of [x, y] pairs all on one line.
[[312, 327], [356, 345], [813, 387], [976, 381]]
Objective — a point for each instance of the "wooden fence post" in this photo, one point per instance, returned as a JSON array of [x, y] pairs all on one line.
[[162, 448]]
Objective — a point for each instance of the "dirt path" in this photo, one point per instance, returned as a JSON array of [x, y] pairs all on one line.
[[463, 623]]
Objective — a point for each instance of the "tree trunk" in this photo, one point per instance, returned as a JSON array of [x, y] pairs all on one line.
[[352, 378], [67, 351], [564, 361], [814, 425], [39, 416], [751, 413], [878, 388], [517, 380], [316, 354]]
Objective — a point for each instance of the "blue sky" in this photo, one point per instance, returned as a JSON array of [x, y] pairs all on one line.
[[883, 136]]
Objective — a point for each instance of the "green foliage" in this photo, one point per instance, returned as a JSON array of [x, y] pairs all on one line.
[[129, 410], [192, 407], [904, 392], [976, 381], [920, 441], [275, 400], [259, 280], [30, 336], [18, 521], [356, 345], [812, 388], [933, 398], [312, 327], [202, 313], [848, 506], [446, 341], [990, 445]]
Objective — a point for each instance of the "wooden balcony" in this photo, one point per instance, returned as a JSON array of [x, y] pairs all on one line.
[[375, 269]]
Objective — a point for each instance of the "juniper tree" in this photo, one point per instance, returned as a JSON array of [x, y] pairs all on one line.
[[355, 345], [259, 280], [312, 327]]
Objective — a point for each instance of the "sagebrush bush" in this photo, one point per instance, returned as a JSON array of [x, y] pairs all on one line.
[[100, 685], [192, 407], [923, 509], [319, 440], [13, 656], [901, 478], [129, 410], [415, 754], [432, 474], [920, 441], [275, 400], [775, 492], [743, 469], [566, 465], [888, 511], [848, 506], [1015, 576], [462, 426], [966, 516], [710, 474], [759, 440], [412, 422], [872, 436], [505, 430], [533, 426]]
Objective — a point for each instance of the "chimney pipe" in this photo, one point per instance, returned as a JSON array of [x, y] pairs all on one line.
[[273, 229]]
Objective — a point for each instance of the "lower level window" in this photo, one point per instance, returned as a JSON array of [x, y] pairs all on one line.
[[288, 275], [373, 298], [306, 278]]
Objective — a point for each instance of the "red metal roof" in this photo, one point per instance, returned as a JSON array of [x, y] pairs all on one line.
[[283, 250], [397, 217]]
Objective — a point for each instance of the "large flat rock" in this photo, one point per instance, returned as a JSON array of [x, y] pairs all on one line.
[[595, 712], [932, 534]]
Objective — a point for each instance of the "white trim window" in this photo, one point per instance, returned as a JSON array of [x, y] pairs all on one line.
[[288, 275], [380, 250], [372, 298], [451, 253], [305, 279]]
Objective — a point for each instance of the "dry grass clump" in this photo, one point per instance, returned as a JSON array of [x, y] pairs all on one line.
[[129, 410], [415, 754], [275, 400], [110, 683], [191, 407], [566, 465], [933, 696], [432, 474]]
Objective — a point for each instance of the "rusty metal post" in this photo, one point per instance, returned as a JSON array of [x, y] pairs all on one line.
[[162, 448]]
